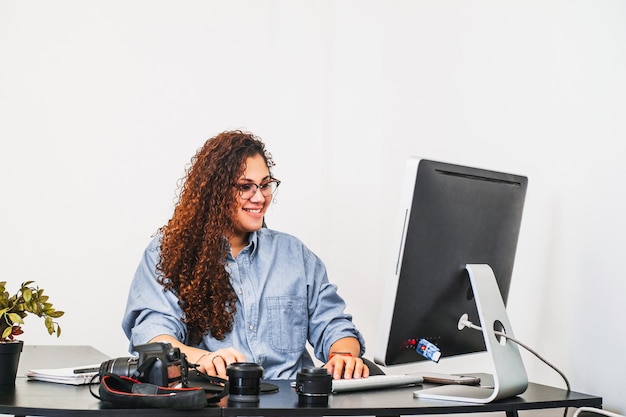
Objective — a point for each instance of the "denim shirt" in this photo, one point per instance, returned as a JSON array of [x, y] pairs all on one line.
[[284, 299]]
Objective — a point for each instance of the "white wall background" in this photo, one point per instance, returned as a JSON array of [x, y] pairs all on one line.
[[103, 103]]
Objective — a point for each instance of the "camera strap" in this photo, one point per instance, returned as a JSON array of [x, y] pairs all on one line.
[[129, 392]]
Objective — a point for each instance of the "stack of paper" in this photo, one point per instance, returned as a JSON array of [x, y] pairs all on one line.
[[74, 376]]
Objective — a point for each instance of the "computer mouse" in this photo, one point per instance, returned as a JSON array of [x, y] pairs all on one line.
[[374, 369]]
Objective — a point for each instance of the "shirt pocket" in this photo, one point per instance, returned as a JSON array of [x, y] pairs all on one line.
[[288, 322]]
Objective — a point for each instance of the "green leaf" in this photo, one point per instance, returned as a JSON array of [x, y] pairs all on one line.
[[7, 332], [15, 318], [49, 325], [27, 294], [56, 314]]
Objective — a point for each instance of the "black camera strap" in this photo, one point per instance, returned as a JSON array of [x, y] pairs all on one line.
[[143, 367], [128, 392]]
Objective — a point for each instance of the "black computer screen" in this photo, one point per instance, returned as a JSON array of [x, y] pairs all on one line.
[[451, 215]]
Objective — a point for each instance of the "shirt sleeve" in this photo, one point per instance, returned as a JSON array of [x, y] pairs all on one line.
[[150, 310], [328, 320]]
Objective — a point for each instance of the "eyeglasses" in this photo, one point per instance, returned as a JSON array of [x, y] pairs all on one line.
[[248, 190]]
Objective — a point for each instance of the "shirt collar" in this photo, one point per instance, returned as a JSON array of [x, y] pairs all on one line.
[[253, 239]]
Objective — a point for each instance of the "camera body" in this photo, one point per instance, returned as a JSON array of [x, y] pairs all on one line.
[[157, 363]]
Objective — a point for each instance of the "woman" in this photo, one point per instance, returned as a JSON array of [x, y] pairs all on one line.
[[222, 288]]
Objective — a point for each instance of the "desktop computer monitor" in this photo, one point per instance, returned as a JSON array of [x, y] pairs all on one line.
[[450, 216]]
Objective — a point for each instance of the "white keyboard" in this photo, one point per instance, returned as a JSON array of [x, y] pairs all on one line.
[[375, 382]]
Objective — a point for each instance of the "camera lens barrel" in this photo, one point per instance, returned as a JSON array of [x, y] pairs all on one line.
[[313, 386], [244, 380], [119, 366]]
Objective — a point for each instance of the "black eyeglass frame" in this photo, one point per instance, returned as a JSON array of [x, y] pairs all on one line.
[[263, 187]]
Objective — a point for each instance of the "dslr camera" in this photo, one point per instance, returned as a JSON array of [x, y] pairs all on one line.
[[158, 363]]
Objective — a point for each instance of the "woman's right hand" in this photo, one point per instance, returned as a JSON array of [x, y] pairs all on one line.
[[215, 363], [210, 363]]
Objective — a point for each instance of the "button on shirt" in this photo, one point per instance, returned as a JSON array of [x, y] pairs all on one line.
[[284, 299]]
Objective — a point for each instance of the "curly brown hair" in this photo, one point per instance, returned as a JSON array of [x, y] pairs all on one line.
[[193, 243]]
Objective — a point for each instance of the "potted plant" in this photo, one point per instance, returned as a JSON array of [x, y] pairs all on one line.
[[28, 299]]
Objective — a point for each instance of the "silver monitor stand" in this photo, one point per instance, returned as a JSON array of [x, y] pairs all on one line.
[[509, 374]]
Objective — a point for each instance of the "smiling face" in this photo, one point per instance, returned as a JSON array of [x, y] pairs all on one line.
[[249, 213]]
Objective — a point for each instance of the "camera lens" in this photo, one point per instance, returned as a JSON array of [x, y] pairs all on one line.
[[119, 366], [313, 386], [244, 381]]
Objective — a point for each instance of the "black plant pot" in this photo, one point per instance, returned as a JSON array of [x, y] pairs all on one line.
[[9, 359]]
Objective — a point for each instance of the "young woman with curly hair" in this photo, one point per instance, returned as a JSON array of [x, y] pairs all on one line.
[[221, 287]]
